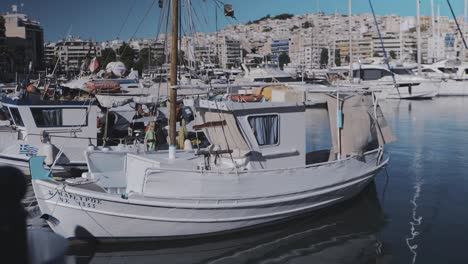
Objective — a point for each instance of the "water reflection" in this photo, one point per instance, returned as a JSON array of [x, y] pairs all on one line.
[[346, 233]]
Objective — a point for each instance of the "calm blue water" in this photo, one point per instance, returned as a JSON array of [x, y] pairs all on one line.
[[418, 214]]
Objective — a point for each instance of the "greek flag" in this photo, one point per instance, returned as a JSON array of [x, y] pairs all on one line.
[[28, 150]]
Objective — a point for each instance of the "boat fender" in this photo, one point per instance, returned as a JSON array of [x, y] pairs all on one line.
[[188, 145], [48, 152]]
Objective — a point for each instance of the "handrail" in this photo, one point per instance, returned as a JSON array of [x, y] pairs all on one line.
[[378, 150]]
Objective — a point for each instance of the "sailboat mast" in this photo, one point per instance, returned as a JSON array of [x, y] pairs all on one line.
[[465, 14], [350, 6], [173, 72], [418, 32], [433, 26]]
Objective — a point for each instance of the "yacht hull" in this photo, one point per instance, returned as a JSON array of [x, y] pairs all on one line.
[[79, 212], [453, 88], [425, 90]]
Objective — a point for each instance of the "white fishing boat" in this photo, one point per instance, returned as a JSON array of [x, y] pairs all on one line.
[[35, 127], [60, 130], [255, 172], [331, 236]]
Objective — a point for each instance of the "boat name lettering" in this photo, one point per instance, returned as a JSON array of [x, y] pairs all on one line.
[[82, 201]]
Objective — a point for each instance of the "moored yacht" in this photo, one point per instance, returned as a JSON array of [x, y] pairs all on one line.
[[397, 83], [265, 73], [454, 76]]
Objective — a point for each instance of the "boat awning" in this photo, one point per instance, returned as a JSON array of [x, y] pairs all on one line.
[[360, 123], [225, 135]]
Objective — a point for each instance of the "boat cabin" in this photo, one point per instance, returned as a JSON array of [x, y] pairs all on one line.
[[275, 135], [65, 126]]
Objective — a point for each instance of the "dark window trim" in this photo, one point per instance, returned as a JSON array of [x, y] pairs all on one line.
[[14, 116], [54, 108], [277, 143]]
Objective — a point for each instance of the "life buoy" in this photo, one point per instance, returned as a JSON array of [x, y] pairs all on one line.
[[246, 98]]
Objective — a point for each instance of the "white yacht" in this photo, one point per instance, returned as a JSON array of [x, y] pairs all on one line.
[[399, 83], [256, 171], [454, 76], [265, 73]]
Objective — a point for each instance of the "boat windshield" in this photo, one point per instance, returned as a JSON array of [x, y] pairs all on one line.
[[448, 70], [15, 116], [402, 71]]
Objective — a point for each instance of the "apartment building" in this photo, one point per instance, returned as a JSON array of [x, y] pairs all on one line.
[[229, 52], [71, 53], [23, 33]]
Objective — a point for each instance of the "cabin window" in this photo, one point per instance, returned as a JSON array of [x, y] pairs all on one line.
[[59, 117], [16, 116], [427, 70], [265, 129], [373, 74], [448, 70]]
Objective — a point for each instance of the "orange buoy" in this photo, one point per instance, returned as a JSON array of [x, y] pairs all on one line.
[[103, 87], [246, 98]]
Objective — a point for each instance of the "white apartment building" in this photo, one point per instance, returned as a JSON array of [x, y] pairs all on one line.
[[72, 52], [229, 52], [21, 31], [155, 47]]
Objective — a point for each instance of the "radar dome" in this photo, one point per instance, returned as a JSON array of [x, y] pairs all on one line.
[[117, 68]]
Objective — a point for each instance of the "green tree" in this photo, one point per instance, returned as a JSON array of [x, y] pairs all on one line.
[[107, 55], [307, 24], [392, 54], [126, 55], [2, 27], [283, 59], [376, 54], [323, 57], [294, 28], [283, 16], [337, 57]]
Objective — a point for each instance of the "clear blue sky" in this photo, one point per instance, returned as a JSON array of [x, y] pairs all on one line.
[[103, 19]]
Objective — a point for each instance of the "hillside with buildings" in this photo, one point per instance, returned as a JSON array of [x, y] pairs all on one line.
[[311, 40]]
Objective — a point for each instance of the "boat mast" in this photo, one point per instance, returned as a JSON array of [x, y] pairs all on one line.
[[173, 76], [434, 52], [350, 40], [418, 32], [465, 14]]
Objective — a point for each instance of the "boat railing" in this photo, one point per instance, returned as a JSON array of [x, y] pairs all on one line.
[[379, 164]]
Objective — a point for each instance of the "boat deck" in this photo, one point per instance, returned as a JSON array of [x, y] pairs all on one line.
[[185, 160]]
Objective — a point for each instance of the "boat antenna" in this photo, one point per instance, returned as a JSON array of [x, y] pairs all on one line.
[[458, 25], [173, 77]]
